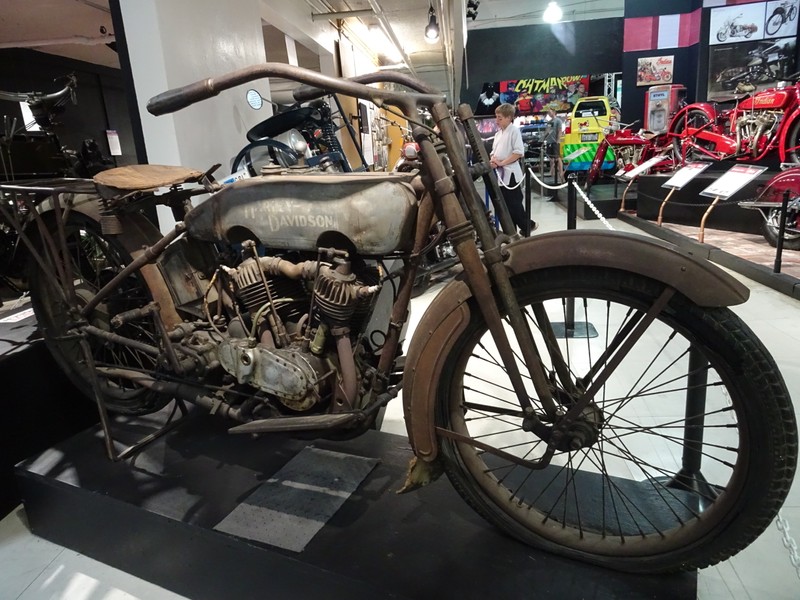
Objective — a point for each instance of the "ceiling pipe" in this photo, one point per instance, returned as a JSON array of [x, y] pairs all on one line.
[[387, 29], [341, 15], [78, 39]]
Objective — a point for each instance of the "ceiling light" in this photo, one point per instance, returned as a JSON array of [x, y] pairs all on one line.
[[552, 14], [432, 30]]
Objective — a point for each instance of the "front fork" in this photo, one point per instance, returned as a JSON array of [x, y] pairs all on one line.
[[460, 232]]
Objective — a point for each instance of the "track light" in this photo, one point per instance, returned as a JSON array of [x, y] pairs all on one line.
[[432, 30], [552, 14]]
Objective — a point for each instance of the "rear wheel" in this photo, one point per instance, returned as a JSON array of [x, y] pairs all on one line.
[[662, 482], [95, 260], [693, 119], [771, 226], [774, 23]]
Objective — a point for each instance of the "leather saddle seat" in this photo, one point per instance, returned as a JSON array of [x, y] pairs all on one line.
[[127, 180]]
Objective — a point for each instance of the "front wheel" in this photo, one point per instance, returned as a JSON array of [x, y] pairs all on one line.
[[689, 448], [722, 34], [791, 150], [597, 166], [774, 23], [771, 226]]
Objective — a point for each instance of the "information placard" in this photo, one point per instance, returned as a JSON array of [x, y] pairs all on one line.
[[685, 174], [648, 164], [732, 181]]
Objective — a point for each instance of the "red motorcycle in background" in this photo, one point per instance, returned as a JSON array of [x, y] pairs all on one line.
[[756, 126], [769, 202], [631, 148]]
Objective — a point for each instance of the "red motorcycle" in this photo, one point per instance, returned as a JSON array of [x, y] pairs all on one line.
[[752, 129], [630, 149], [769, 202]]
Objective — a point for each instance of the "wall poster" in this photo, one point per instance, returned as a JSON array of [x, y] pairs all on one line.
[[533, 96], [655, 70], [751, 47]]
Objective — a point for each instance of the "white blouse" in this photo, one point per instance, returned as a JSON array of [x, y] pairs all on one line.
[[508, 141]]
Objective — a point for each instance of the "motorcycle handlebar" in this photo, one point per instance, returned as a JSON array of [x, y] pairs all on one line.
[[305, 93], [181, 97], [33, 98]]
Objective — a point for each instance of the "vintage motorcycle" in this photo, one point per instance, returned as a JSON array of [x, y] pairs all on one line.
[[27, 155], [661, 439], [730, 28], [769, 203], [784, 12], [630, 149], [765, 63], [756, 126]]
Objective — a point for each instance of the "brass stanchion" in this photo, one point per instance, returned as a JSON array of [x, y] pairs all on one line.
[[661, 208], [702, 234]]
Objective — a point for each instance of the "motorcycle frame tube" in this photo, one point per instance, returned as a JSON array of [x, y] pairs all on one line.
[[448, 315]]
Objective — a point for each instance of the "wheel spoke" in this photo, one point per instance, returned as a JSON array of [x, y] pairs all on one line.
[[630, 473]]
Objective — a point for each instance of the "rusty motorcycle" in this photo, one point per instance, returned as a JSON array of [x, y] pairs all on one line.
[[663, 439]]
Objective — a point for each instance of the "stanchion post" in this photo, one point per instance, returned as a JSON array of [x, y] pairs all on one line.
[[572, 202], [776, 268], [527, 200]]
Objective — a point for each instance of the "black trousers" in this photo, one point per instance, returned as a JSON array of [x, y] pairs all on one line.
[[516, 208]]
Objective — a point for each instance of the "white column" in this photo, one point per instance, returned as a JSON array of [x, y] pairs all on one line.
[[182, 41]]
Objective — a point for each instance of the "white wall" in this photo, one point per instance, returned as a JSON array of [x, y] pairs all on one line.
[[182, 41]]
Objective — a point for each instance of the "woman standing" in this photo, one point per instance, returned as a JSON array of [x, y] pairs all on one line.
[[507, 150]]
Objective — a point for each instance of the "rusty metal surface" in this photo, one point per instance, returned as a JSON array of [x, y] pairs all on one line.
[[375, 211]]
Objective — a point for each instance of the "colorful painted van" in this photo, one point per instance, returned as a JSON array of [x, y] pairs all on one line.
[[583, 132]]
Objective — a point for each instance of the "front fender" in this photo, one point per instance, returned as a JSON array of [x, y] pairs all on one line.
[[448, 315], [791, 121]]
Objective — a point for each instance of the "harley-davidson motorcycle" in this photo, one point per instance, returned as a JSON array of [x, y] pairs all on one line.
[[590, 393], [753, 128], [730, 28], [765, 63], [769, 203]]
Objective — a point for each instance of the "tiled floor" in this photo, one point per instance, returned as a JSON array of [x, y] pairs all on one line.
[[34, 569]]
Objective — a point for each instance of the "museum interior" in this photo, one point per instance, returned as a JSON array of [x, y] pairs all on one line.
[[399, 299]]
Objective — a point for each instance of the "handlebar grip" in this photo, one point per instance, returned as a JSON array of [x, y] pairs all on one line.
[[178, 98]]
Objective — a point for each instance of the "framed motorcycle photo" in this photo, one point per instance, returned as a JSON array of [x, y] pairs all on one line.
[[737, 23]]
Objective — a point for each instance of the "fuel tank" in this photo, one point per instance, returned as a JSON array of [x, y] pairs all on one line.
[[767, 100], [375, 211]]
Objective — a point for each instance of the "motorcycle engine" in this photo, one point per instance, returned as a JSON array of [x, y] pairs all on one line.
[[287, 341], [753, 130]]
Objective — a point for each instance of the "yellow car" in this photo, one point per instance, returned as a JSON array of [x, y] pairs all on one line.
[[583, 133]]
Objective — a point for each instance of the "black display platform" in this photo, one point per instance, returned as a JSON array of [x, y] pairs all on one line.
[[153, 517], [686, 206], [40, 405]]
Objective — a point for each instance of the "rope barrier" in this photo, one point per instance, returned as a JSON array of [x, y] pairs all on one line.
[[544, 185], [594, 209]]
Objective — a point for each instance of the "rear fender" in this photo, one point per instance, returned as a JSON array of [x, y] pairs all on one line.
[[137, 234], [448, 316]]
